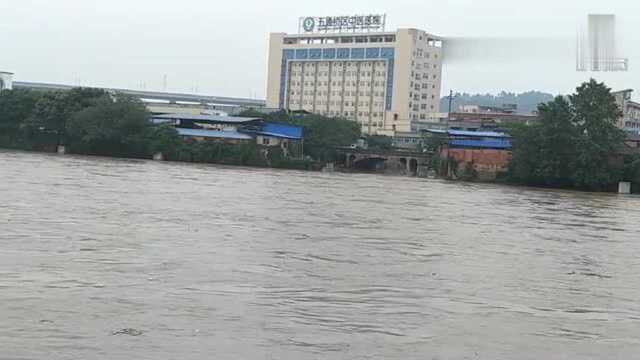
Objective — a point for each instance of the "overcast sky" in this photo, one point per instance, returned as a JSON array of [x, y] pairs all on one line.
[[220, 47]]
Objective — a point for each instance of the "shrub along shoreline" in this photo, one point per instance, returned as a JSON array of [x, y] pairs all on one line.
[[574, 145], [93, 122]]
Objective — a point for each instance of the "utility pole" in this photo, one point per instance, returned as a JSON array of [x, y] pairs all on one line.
[[450, 108], [450, 103]]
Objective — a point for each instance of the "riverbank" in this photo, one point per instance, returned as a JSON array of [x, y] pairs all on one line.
[[93, 122]]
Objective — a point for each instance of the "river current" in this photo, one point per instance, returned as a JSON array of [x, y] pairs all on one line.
[[126, 259]]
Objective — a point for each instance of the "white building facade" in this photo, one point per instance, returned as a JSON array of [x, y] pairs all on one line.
[[630, 120], [6, 80], [382, 80]]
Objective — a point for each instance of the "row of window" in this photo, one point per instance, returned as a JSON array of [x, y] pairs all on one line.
[[352, 114], [346, 73], [417, 97], [424, 76], [337, 103], [421, 116], [424, 54], [339, 83], [418, 107], [337, 93], [378, 124], [325, 64]]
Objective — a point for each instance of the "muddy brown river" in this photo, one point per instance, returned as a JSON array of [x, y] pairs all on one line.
[[123, 259]]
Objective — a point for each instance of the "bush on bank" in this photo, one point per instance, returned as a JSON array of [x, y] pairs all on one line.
[[575, 144], [95, 122], [321, 134]]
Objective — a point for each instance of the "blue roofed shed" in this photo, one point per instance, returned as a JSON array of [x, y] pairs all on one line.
[[282, 131], [231, 136], [476, 139]]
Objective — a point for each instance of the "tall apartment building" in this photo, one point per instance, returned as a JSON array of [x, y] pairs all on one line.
[[382, 80]]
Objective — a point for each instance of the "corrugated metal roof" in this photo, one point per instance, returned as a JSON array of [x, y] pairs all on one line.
[[487, 144], [209, 118], [281, 130], [213, 134], [477, 133], [469, 133]]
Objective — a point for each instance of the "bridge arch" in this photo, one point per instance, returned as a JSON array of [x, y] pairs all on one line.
[[413, 166]]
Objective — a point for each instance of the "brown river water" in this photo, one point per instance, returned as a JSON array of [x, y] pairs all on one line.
[[125, 259]]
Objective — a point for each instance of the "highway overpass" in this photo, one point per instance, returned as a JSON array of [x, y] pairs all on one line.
[[153, 96]]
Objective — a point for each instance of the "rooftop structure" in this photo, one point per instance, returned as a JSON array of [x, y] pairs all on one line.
[[201, 133], [475, 139], [231, 129], [483, 109]]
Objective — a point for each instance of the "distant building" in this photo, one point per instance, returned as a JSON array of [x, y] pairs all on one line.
[[382, 80], [630, 120], [6, 80], [482, 109], [487, 120]]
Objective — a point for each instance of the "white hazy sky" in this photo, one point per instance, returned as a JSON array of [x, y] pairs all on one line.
[[220, 47]]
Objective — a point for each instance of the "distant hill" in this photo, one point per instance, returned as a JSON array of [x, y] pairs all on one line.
[[527, 102]]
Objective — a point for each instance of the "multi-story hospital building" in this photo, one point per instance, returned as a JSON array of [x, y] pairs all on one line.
[[383, 80]]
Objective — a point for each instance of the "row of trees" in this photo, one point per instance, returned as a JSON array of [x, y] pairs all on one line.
[[526, 101], [87, 121], [575, 144], [95, 122]]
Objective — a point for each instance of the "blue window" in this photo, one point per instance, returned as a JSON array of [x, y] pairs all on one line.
[[357, 53], [388, 53], [329, 54], [373, 53], [315, 53], [288, 54], [302, 54], [343, 53]]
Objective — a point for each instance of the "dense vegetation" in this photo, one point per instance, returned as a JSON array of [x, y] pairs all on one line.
[[575, 144], [321, 134], [527, 102], [94, 122], [87, 121]]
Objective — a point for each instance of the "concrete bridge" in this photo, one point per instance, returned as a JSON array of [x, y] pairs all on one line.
[[168, 97], [392, 162]]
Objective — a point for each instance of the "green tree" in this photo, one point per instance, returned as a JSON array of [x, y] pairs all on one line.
[[380, 142], [164, 139], [16, 107], [115, 126], [321, 134], [433, 141], [596, 113], [573, 144], [54, 109]]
